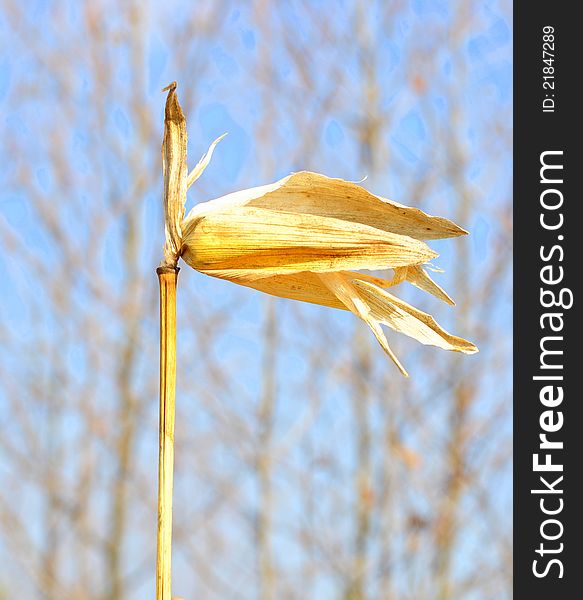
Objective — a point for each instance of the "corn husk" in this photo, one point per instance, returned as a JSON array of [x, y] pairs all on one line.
[[259, 242], [308, 237], [364, 296], [420, 278], [315, 194]]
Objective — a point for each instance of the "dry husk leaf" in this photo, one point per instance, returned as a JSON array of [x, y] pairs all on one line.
[[312, 193], [306, 236], [418, 276], [260, 242], [203, 163]]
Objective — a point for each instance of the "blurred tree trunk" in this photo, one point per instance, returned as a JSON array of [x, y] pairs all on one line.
[[264, 467]]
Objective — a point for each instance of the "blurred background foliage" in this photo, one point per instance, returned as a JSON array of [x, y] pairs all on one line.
[[306, 466]]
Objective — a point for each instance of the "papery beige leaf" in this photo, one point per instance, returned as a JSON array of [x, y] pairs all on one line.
[[175, 172], [203, 162], [263, 242], [380, 281], [401, 316], [340, 285], [312, 193], [418, 276], [414, 274], [361, 294], [306, 236], [308, 287], [305, 287]]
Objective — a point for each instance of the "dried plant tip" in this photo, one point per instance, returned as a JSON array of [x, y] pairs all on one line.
[[170, 86], [175, 173]]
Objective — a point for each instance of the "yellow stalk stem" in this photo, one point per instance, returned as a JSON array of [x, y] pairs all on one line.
[[167, 277]]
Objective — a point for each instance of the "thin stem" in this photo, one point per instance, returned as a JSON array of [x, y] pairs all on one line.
[[167, 277], [265, 458]]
